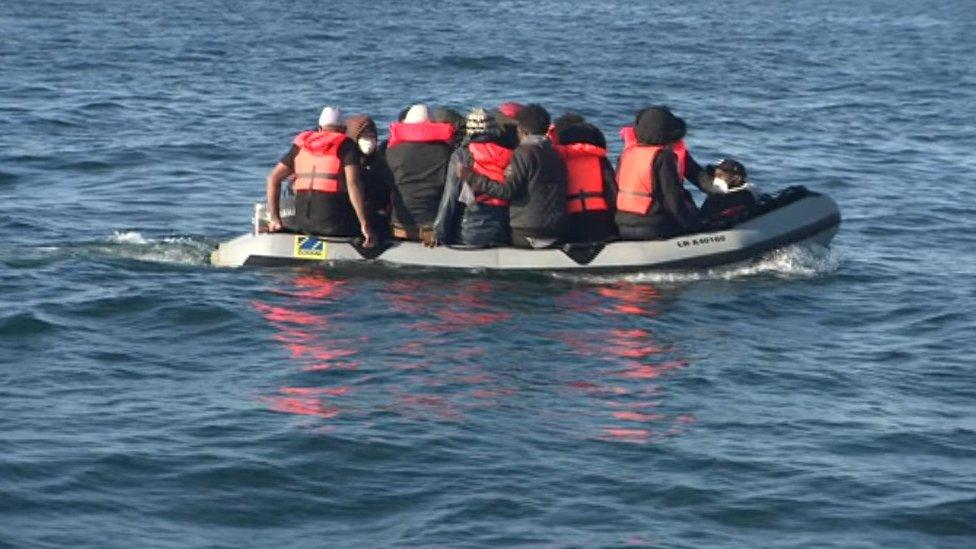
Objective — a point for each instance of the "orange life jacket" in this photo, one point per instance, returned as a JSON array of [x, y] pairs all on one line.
[[635, 179], [490, 160], [629, 138], [317, 164], [585, 191], [420, 132]]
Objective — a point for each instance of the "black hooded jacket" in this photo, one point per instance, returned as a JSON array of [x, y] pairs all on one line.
[[535, 186]]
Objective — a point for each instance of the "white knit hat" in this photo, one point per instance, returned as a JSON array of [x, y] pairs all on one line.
[[331, 116], [417, 113]]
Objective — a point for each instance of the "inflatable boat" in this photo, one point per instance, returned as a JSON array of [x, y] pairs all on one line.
[[792, 216]]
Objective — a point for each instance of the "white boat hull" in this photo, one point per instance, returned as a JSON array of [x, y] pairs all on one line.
[[812, 219]]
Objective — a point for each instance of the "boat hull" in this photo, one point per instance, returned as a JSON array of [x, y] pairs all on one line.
[[813, 219]]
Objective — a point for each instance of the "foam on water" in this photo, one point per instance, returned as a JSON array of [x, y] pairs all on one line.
[[792, 262], [128, 237], [179, 250], [170, 250]]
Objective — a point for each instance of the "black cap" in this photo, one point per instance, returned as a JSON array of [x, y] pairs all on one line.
[[658, 126]]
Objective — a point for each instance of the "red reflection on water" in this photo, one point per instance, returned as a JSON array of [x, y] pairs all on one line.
[[462, 309], [287, 316], [630, 384], [651, 371], [631, 298], [315, 391], [303, 327], [493, 393], [307, 318], [315, 287], [638, 416], [627, 435], [301, 406]]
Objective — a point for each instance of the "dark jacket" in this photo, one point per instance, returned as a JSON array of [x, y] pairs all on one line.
[[377, 181], [377, 184], [535, 186], [481, 225], [673, 210], [736, 204], [592, 226], [418, 171]]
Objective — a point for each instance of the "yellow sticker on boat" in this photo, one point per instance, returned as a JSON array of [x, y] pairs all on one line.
[[309, 247]]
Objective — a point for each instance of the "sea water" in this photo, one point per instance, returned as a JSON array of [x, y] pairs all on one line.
[[810, 398]]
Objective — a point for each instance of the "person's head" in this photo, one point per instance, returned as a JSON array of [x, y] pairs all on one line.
[[583, 132], [481, 123], [416, 114], [508, 128], [566, 120], [362, 129], [510, 109], [331, 119], [732, 172], [446, 114], [449, 116], [532, 119], [658, 126]]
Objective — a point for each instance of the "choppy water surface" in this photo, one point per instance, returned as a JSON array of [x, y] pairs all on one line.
[[809, 399]]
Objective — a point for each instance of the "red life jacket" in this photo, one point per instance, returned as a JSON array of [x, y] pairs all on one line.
[[635, 179], [317, 164], [490, 160], [585, 170], [629, 138], [420, 132]]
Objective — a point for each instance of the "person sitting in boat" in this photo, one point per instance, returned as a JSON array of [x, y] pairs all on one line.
[[417, 153], [329, 198], [591, 192], [741, 197], [695, 173], [465, 217], [535, 184], [374, 173], [651, 201]]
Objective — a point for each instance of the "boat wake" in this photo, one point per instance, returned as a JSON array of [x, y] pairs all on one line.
[[127, 245], [172, 250], [178, 250], [793, 262]]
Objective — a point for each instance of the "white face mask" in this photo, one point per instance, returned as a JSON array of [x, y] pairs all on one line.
[[367, 145]]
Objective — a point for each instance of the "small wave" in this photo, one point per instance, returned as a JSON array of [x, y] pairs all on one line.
[[788, 263], [485, 62], [101, 106], [20, 325], [7, 178]]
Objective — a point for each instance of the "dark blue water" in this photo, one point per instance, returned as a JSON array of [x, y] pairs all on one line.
[[810, 399]]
